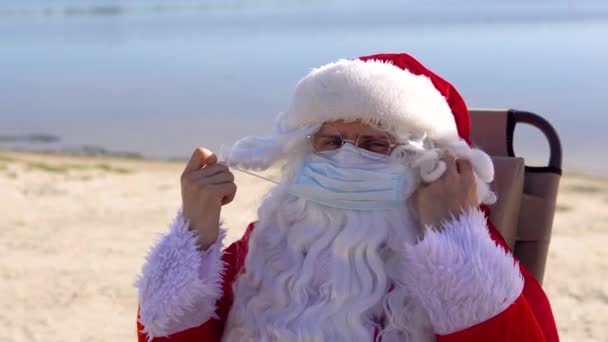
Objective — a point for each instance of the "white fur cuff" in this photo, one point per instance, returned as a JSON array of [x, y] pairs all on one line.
[[460, 275], [180, 284]]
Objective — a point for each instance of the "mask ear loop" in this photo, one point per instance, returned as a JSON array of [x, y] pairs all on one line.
[[222, 157], [254, 175]]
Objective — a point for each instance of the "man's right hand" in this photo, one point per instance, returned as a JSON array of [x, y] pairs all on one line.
[[206, 186]]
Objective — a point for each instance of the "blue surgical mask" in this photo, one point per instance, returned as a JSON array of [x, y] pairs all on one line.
[[352, 178]]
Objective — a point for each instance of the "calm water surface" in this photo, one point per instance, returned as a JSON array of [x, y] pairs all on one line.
[[161, 78]]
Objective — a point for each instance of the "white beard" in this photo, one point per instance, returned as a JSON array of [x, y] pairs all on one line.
[[315, 273]]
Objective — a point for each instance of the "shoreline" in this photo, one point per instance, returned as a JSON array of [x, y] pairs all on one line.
[[86, 151]]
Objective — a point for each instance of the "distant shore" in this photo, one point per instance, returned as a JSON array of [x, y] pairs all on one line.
[[47, 144]]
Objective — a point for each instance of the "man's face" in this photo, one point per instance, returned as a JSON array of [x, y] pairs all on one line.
[[333, 134]]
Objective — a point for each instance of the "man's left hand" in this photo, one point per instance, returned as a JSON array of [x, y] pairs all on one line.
[[453, 192]]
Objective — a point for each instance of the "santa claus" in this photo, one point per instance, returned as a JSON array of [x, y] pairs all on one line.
[[376, 231]]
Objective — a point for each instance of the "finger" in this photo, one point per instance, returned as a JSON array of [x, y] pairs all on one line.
[[226, 190], [447, 156], [200, 157], [450, 163], [467, 172], [229, 198], [200, 176], [218, 178], [212, 170], [464, 167]]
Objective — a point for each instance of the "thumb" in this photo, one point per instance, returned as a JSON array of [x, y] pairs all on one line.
[[200, 157]]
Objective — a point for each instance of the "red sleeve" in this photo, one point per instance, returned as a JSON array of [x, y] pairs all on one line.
[[516, 323], [213, 329], [528, 319]]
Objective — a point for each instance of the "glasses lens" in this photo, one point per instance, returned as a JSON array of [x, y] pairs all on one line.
[[327, 138], [378, 142]]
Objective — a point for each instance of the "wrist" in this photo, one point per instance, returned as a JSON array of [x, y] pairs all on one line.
[[205, 237], [436, 219], [205, 226], [433, 218], [206, 233]]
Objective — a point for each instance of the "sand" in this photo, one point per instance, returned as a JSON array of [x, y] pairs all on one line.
[[74, 232]]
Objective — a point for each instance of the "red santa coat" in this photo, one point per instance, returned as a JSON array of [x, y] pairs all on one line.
[[526, 317]]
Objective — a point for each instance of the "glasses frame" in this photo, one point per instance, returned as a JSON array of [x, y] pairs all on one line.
[[355, 143]]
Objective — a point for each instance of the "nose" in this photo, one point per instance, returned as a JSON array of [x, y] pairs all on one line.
[[352, 142]]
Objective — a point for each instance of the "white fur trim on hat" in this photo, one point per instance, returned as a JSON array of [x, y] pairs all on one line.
[[374, 92]]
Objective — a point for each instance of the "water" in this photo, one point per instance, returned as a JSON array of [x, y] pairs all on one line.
[[160, 78]]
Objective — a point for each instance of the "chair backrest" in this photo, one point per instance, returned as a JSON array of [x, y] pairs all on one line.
[[526, 195]]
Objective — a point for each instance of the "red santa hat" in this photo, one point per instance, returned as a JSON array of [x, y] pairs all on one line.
[[393, 90]]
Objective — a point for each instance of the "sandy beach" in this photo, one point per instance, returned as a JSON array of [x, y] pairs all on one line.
[[74, 232]]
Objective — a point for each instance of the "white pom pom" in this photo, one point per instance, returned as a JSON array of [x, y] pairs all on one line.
[[459, 149], [490, 198], [484, 193], [482, 163], [253, 153]]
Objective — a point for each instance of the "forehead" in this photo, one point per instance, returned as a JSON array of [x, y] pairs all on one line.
[[352, 128]]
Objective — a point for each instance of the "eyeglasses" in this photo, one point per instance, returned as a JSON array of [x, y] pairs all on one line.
[[328, 138]]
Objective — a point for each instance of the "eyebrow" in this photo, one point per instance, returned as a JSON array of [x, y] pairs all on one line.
[[364, 135], [328, 135], [368, 135], [372, 135]]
